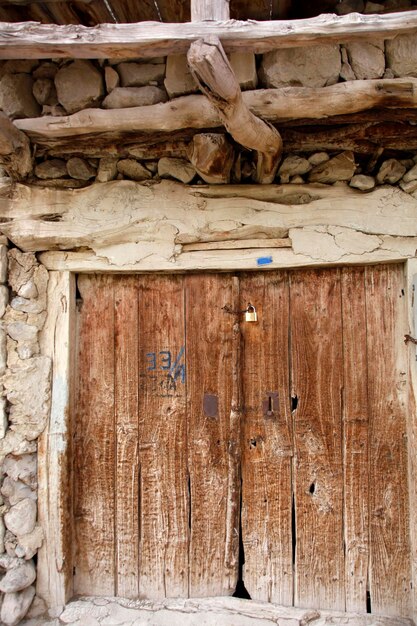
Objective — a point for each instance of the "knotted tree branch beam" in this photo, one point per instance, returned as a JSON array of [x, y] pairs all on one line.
[[212, 71], [15, 154]]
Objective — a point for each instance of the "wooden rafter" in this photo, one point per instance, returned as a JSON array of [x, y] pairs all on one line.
[[149, 39]]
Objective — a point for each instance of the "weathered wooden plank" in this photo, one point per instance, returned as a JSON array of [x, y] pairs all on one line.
[[94, 441], [355, 438], [211, 435], [221, 260], [390, 571], [149, 39], [133, 226], [235, 244], [411, 295], [267, 440], [209, 10], [274, 105], [126, 384], [54, 572], [317, 370], [164, 499]]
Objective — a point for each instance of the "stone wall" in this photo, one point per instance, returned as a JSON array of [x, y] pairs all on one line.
[[29, 88], [24, 409]]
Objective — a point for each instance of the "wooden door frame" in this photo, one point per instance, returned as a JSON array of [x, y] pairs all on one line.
[[55, 558]]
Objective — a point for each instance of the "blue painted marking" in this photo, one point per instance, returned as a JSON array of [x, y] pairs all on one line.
[[264, 260], [151, 356], [165, 360], [176, 368]]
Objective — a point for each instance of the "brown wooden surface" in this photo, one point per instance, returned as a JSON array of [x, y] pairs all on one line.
[[317, 375], [266, 440], [94, 449], [164, 501], [355, 439], [126, 432], [388, 502], [172, 413], [210, 363]]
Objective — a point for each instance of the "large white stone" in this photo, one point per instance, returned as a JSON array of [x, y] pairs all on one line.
[[16, 97], [391, 171], [125, 97], [16, 490], [19, 577], [79, 85], [51, 168], [293, 165], [133, 170], [19, 331], [22, 468], [178, 78], [401, 55], [339, 168], [310, 66], [362, 182], [28, 545], [178, 169], [107, 170], [80, 169], [16, 605], [140, 74], [21, 517], [27, 387], [367, 60]]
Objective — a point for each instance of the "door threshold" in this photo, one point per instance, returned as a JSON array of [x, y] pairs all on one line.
[[217, 611]]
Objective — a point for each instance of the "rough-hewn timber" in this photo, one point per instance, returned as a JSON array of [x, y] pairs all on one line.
[[273, 105], [125, 225], [150, 39], [216, 79]]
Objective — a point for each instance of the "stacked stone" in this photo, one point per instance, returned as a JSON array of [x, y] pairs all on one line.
[[25, 409]]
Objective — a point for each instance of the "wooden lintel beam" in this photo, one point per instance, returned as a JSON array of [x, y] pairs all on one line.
[[274, 105], [202, 10], [148, 39]]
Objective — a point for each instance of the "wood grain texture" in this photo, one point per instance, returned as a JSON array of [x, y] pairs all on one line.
[[355, 438], [94, 446], [215, 77], [164, 499], [209, 10], [317, 376], [267, 440], [194, 111], [211, 435], [55, 515], [150, 39], [126, 388], [390, 570]]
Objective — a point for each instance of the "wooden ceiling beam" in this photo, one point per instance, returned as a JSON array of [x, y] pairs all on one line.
[[148, 39], [274, 105]]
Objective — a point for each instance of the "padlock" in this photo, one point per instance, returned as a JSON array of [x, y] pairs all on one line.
[[250, 314]]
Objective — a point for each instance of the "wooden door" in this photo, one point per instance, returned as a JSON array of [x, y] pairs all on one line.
[[156, 446], [195, 430], [325, 518]]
